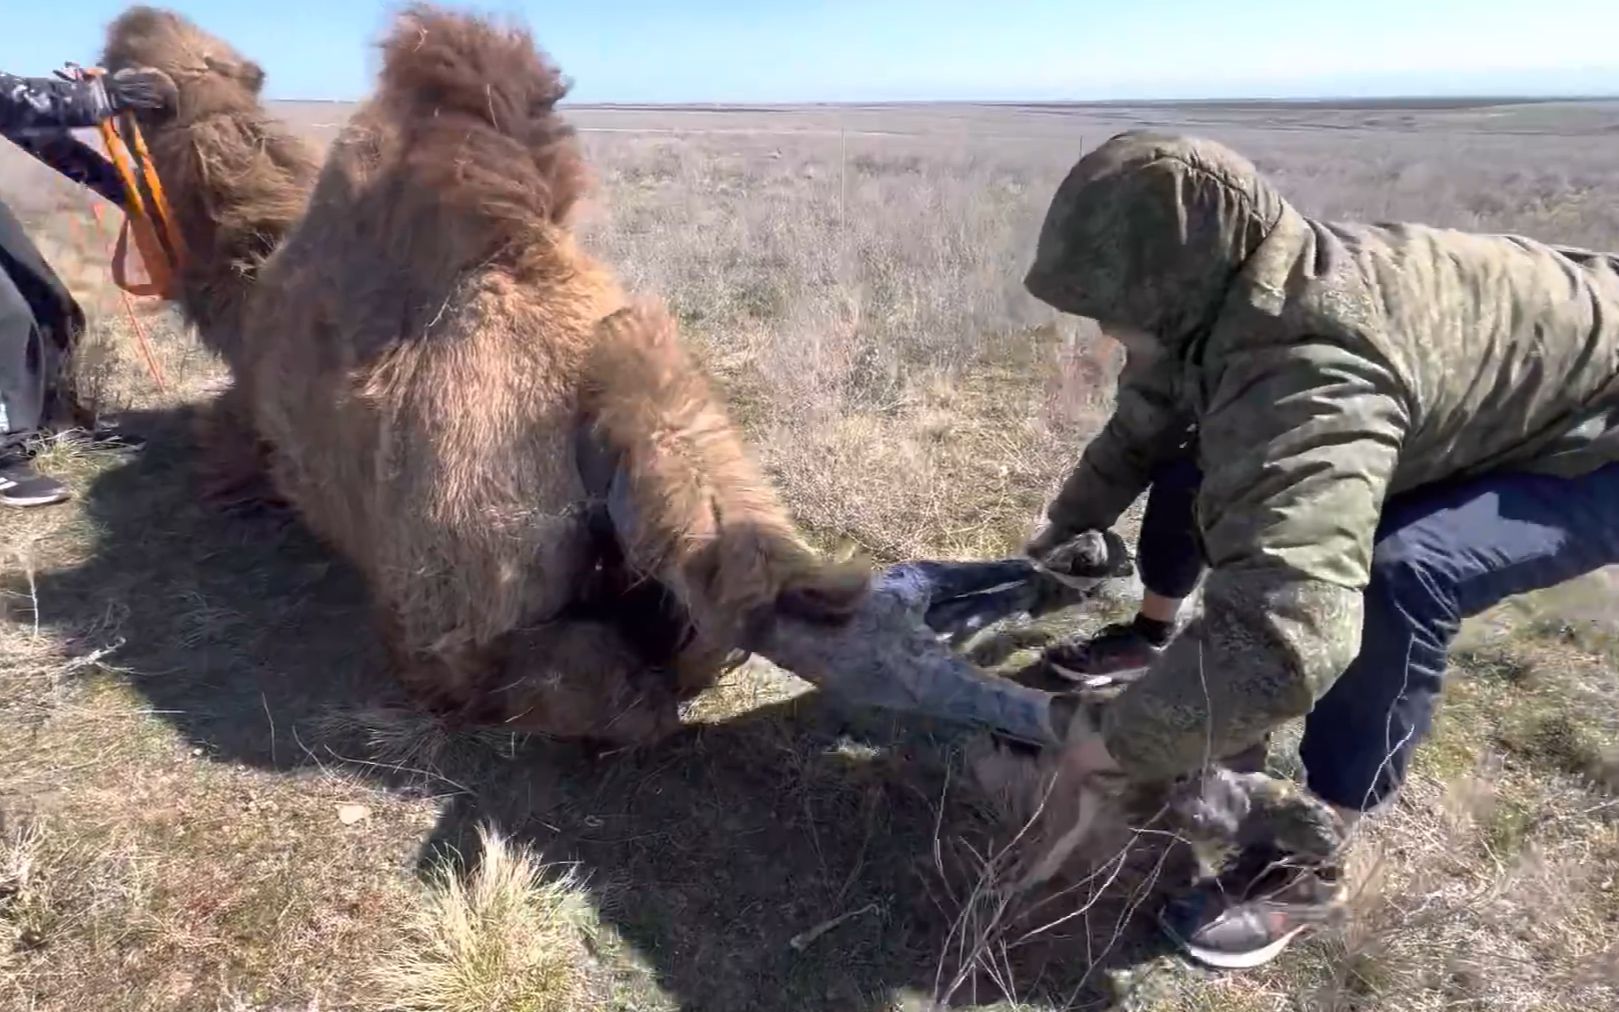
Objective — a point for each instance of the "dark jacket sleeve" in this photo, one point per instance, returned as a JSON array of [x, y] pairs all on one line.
[[29, 104], [1147, 424], [77, 161]]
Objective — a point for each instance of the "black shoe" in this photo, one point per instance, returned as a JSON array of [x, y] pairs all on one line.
[[1113, 650], [21, 485], [1251, 926]]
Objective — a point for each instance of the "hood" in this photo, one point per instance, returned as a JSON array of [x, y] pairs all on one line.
[[1149, 230]]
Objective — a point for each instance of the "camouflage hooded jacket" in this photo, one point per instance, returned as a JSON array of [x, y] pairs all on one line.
[[1325, 367]]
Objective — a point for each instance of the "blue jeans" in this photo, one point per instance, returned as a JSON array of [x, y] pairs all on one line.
[[1443, 553]]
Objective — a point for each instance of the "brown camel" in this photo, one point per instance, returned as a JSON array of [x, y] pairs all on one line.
[[429, 356]]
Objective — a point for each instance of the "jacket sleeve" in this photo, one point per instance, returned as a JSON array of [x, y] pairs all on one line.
[[77, 161], [1147, 424], [41, 103], [1298, 446]]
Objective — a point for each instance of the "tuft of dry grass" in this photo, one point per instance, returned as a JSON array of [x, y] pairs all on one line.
[[414, 743], [510, 934], [58, 893], [27, 907]]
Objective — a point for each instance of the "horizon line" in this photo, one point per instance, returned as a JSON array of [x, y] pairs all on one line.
[[1428, 98]]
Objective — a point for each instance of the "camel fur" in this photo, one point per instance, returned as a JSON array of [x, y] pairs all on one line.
[[238, 180], [236, 177], [425, 351]]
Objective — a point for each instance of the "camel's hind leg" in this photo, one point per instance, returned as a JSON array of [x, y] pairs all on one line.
[[233, 461]]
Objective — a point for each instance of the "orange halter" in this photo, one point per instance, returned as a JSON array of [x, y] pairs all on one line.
[[147, 216]]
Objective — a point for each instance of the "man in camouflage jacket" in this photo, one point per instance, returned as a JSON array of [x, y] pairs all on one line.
[[1386, 429], [39, 319]]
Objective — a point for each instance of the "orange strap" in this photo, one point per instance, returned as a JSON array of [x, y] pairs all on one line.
[[147, 216], [142, 342]]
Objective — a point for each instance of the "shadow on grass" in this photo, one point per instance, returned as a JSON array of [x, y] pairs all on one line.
[[708, 853]]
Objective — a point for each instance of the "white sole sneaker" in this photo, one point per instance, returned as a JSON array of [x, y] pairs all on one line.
[[13, 493], [1095, 681], [1243, 960], [22, 502]]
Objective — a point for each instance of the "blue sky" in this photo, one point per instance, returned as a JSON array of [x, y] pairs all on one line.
[[849, 50]]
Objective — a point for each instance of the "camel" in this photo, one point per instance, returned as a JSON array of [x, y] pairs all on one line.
[[560, 527]]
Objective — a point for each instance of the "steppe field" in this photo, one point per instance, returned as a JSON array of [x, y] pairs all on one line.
[[211, 798]]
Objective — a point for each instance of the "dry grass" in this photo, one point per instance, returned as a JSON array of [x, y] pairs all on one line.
[[510, 934], [55, 885], [191, 711]]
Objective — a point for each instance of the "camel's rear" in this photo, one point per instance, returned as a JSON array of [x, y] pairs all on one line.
[[421, 391]]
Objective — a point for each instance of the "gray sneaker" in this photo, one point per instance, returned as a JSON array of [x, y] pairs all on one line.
[[1234, 930], [21, 485]]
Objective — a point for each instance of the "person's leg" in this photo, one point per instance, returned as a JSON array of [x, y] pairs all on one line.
[[22, 399], [22, 366], [1442, 554], [1169, 550], [32, 300], [57, 323], [1169, 558]]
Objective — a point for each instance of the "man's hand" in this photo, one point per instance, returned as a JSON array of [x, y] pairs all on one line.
[[1081, 559], [1048, 539], [1225, 808], [139, 88]]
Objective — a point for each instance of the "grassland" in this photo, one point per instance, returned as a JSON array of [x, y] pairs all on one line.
[[210, 797]]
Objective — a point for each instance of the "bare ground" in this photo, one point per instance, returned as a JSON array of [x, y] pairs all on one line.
[[210, 798]]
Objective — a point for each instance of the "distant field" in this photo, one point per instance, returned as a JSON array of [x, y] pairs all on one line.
[[210, 798]]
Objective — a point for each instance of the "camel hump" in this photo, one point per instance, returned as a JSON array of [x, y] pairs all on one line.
[[490, 96]]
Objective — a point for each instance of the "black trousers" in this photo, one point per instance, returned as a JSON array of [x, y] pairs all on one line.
[[1169, 555], [39, 323]]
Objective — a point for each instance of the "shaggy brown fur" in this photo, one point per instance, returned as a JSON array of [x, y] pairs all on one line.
[[423, 352], [238, 180], [702, 516]]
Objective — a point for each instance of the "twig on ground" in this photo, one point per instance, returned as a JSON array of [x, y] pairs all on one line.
[[802, 940], [266, 703]]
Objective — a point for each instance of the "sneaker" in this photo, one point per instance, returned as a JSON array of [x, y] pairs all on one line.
[[1236, 931], [21, 485], [1093, 660]]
